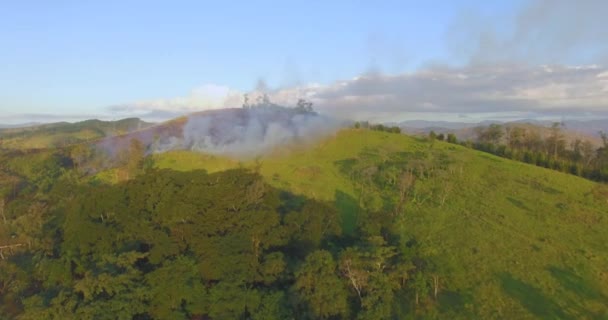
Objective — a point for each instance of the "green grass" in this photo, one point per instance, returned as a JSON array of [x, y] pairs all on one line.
[[508, 240]]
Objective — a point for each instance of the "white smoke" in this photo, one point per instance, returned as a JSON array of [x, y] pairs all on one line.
[[248, 132]]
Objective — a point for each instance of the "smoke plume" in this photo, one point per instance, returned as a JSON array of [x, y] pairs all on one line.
[[248, 131]]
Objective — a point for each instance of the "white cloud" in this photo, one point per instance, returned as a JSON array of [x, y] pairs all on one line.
[[205, 97]]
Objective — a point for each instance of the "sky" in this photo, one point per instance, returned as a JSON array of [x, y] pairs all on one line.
[[378, 60]]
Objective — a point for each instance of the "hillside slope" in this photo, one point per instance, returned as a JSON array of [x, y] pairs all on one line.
[[64, 133], [504, 239]]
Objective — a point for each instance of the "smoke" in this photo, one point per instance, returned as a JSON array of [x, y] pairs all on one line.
[[541, 32], [248, 132]]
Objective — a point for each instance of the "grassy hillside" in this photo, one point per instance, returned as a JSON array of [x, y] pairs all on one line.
[[63, 133], [504, 239]]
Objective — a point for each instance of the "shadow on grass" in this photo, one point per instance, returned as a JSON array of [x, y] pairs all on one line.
[[577, 284], [532, 298], [452, 301], [518, 203], [349, 209], [544, 188]]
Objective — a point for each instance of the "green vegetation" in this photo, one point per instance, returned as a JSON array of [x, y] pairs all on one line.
[[365, 224], [376, 127], [527, 145], [64, 134]]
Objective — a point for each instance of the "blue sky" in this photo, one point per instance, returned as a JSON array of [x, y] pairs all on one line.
[[81, 57]]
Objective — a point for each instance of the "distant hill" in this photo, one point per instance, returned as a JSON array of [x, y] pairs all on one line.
[[19, 125], [588, 127], [59, 134]]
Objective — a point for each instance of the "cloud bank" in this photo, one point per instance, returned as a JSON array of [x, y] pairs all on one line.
[[477, 91]]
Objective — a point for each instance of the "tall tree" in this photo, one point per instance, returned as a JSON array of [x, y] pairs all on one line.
[[556, 142], [319, 286]]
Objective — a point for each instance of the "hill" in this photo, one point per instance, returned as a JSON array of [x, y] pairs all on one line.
[[436, 231], [19, 125], [63, 133], [508, 240]]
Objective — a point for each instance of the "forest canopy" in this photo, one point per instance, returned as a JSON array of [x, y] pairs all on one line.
[[171, 245]]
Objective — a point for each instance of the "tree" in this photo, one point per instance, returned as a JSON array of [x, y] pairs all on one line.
[[515, 136], [452, 138], [421, 286], [318, 285], [576, 153], [491, 134], [135, 160], [406, 182], [432, 135], [175, 289], [80, 154], [587, 152], [441, 137], [602, 153], [533, 141], [372, 271], [304, 105], [556, 142], [353, 269], [604, 137]]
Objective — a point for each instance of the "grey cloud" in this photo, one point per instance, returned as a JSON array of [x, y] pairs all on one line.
[[473, 89]]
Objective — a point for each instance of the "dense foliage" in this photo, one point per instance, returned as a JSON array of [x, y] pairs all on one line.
[[376, 127], [170, 245], [527, 145]]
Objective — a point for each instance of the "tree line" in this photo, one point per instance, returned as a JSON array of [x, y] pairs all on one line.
[[376, 127], [527, 144]]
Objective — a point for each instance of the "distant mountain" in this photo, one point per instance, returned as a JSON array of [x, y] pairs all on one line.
[[589, 126], [19, 125]]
